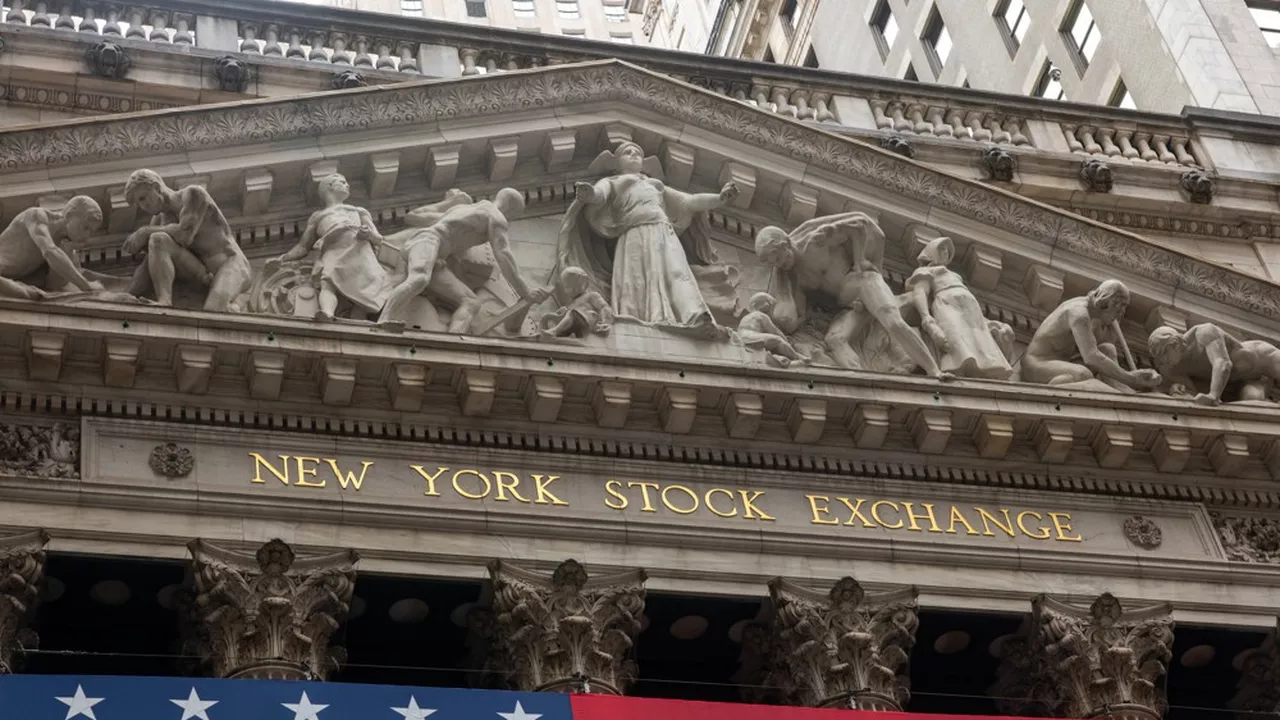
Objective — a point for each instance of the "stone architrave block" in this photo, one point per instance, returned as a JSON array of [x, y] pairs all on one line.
[[742, 414], [121, 216], [1228, 453], [1053, 440], [1171, 450], [45, 351], [916, 236], [799, 202], [266, 374], [677, 409], [677, 163], [869, 426], [500, 158], [1111, 445], [611, 402], [120, 361], [993, 435], [380, 174], [316, 171], [255, 191], [476, 390], [543, 396], [406, 384], [614, 135], [982, 266], [1162, 315], [1043, 286], [931, 430], [337, 380], [742, 176], [558, 149], [442, 165], [193, 368], [806, 419]]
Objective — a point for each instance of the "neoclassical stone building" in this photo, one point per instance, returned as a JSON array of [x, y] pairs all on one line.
[[504, 364]]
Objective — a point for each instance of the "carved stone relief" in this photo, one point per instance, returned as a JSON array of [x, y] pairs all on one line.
[[270, 615], [1246, 538], [1103, 661], [895, 144], [30, 271], [1096, 174], [171, 460], [232, 74], [567, 631], [1204, 362], [998, 164], [47, 451], [1258, 690], [21, 572], [1199, 186], [843, 648], [107, 59], [1143, 532], [348, 79]]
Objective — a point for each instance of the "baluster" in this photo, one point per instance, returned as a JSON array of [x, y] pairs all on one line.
[[1106, 136], [249, 38], [339, 43], [761, 95], [408, 57], [387, 62], [920, 126], [822, 107], [1091, 146], [40, 16], [1125, 138], [959, 130], [135, 24], [468, 58], [66, 17], [536, 61], [182, 30], [1014, 127], [113, 25], [1144, 146], [16, 15], [940, 127], [1180, 151], [272, 41], [738, 91], [295, 45], [362, 52], [319, 40], [510, 61], [800, 101], [998, 134], [159, 26], [490, 63], [897, 111], [973, 119], [877, 111], [1073, 142], [1162, 150], [781, 102]]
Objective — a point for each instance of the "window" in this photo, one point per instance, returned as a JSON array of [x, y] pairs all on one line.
[[937, 41], [790, 12], [811, 59], [625, 39], [568, 10], [1268, 19], [1011, 16], [1048, 86], [1082, 31], [411, 7], [476, 8], [524, 8], [615, 13], [911, 74], [1121, 98], [886, 26]]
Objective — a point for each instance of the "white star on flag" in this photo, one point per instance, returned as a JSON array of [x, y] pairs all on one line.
[[193, 707], [413, 712], [78, 704], [520, 714], [303, 709]]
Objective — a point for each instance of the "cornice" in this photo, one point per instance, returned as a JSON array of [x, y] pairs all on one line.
[[142, 135]]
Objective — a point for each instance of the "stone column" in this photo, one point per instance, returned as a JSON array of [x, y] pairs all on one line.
[[567, 632], [843, 648], [21, 572], [270, 615], [1097, 662], [1258, 692]]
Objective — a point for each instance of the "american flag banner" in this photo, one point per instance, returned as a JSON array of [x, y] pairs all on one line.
[[65, 697]]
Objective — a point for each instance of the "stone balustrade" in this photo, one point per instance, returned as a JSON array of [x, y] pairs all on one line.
[[155, 23], [1130, 143], [947, 121], [325, 46]]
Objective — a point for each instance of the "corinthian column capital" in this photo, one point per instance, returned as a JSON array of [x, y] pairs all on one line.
[[1099, 661], [21, 571], [270, 615], [566, 632], [841, 648]]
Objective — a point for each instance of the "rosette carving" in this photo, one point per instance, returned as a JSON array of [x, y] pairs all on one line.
[[21, 571], [1103, 661], [171, 460], [843, 648], [270, 615], [569, 632]]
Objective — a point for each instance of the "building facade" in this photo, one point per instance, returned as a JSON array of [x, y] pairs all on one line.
[[1126, 53], [381, 350]]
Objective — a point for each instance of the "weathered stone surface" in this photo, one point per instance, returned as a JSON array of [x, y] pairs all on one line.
[[21, 572], [42, 451]]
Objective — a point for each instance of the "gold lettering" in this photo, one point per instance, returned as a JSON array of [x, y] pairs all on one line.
[[304, 471], [259, 462], [875, 513], [1022, 516], [855, 512], [749, 509], [644, 488], [488, 486], [1062, 525], [540, 483], [684, 490], [431, 479], [957, 516], [988, 520], [349, 478], [819, 511], [913, 516], [513, 486], [612, 487], [707, 500]]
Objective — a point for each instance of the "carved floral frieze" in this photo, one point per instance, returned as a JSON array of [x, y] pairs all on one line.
[[47, 451], [1247, 538]]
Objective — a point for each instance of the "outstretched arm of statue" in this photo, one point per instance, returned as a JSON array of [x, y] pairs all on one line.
[[702, 202], [1099, 362], [501, 244], [56, 257], [369, 231], [305, 243]]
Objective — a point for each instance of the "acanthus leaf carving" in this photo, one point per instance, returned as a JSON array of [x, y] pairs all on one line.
[[47, 451], [270, 615], [1245, 538], [21, 572]]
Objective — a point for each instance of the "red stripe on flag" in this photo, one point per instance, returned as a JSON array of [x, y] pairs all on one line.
[[610, 707]]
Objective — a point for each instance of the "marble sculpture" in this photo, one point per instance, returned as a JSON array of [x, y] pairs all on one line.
[[758, 331], [34, 254], [586, 311], [1206, 353]]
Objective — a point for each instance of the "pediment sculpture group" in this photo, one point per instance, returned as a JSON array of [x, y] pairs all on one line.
[[631, 250]]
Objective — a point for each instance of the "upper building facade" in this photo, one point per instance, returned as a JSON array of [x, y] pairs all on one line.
[[1158, 56]]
